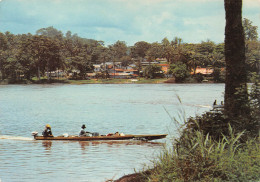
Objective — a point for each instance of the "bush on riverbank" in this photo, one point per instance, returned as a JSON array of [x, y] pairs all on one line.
[[210, 149], [199, 158]]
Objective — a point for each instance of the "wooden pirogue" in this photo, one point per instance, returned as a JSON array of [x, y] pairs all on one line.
[[92, 138]]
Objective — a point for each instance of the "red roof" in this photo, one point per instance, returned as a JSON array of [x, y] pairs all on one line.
[[124, 70], [119, 69], [167, 65], [204, 71]]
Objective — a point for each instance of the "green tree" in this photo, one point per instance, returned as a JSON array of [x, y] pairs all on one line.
[[51, 33], [195, 59], [205, 49], [179, 71], [97, 52], [155, 51], [139, 49], [153, 71], [217, 76], [10, 67], [168, 50], [79, 54], [126, 60], [217, 58], [3, 54], [118, 50], [23, 56], [252, 47], [179, 51], [44, 52], [250, 30], [253, 57]]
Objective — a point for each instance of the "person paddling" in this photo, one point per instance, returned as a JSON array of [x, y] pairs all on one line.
[[83, 132], [47, 131]]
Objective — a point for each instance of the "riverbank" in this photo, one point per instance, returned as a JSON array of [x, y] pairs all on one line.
[[96, 81], [90, 81]]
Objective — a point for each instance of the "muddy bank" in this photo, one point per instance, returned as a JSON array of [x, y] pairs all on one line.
[[135, 177]]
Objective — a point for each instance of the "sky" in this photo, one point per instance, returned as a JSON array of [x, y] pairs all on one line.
[[125, 20]]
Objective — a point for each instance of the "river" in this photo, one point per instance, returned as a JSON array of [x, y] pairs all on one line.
[[104, 108]]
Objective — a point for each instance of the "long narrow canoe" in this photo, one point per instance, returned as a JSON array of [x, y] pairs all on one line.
[[92, 138]]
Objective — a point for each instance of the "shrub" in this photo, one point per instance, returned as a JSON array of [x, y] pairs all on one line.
[[218, 76], [216, 123], [199, 77], [199, 158], [179, 71], [153, 71]]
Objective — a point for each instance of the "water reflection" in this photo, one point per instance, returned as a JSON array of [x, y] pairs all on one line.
[[47, 145], [115, 143]]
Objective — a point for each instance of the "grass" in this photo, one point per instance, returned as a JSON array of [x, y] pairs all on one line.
[[199, 158]]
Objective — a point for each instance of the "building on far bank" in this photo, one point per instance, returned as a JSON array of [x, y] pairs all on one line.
[[203, 71], [57, 73], [164, 67]]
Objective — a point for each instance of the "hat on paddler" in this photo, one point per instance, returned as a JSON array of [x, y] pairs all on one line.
[[83, 126]]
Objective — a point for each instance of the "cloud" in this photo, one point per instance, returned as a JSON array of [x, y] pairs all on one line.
[[126, 20], [252, 3]]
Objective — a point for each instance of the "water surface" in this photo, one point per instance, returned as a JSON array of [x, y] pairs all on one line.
[[127, 108]]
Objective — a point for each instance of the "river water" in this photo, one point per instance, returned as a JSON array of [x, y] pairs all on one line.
[[126, 108]]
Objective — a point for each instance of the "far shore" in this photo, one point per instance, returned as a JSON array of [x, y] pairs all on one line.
[[95, 81]]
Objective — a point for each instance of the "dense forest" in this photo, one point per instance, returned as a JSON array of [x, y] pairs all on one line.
[[26, 56]]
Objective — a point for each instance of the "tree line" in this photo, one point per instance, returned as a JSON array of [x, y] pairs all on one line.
[[25, 56]]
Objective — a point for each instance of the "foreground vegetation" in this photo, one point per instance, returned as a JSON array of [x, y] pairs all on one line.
[[200, 158], [211, 149]]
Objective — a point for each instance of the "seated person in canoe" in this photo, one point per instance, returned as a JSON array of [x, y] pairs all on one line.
[[47, 131], [83, 132]]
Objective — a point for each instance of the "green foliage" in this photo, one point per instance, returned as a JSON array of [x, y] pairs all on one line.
[[169, 49], [216, 123], [254, 97], [249, 30], [26, 56], [252, 47], [218, 77], [179, 71], [213, 147], [155, 51], [140, 49], [196, 157], [153, 71], [118, 50], [101, 75], [253, 56], [50, 32], [198, 77]]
